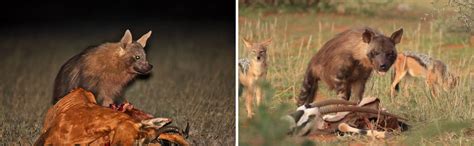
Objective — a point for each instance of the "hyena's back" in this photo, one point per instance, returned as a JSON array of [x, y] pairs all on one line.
[[67, 78]]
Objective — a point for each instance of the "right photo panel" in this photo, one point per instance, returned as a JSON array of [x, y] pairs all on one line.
[[362, 72]]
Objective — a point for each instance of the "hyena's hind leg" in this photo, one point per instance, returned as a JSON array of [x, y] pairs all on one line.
[[309, 91]]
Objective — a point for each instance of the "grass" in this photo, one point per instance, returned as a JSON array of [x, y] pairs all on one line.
[[297, 36], [192, 79]]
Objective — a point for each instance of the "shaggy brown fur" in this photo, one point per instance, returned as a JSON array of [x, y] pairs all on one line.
[[77, 119], [104, 69], [251, 70], [346, 61], [434, 71]]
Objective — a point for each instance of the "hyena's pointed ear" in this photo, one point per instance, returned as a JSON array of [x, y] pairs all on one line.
[[144, 38], [247, 43], [367, 36], [127, 37], [397, 36], [266, 42]]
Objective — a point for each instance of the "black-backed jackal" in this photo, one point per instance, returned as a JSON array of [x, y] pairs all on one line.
[[251, 70], [434, 71]]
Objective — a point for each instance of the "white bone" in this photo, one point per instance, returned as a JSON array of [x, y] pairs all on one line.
[[151, 122], [344, 127]]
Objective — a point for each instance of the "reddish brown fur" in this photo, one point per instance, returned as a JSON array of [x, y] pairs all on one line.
[[77, 119], [105, 70], [435, 74], [346, 61]]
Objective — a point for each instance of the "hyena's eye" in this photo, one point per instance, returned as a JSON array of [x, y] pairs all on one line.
[[373, 54], [137, 57], [391, 55]]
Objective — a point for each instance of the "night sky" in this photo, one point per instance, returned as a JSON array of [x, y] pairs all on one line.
[[19, 13]]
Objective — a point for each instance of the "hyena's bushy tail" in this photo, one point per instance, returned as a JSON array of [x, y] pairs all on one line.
[[309, 85]]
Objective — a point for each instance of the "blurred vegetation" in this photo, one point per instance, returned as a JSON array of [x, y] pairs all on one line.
[[298, 31], [454, 15], [364, 7]]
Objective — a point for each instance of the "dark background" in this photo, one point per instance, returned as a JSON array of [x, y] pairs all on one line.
[[38, 12], [192, 48]]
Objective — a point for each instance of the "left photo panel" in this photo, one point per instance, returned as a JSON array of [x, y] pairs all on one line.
[[117, 73]]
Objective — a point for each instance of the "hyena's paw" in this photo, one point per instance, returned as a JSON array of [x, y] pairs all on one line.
[[122, 107]]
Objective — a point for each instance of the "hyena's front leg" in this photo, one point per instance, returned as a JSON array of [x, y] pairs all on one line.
[[107, 101], [342, 86], [344, 91], [358, 87]]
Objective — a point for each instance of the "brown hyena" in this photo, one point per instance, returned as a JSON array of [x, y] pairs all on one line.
[[414, 64], [104, 69], [345, 62], [251, 70]]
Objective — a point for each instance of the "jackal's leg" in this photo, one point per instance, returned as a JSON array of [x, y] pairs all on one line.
[[248, 93], [431, 81], [405, 88], [396, 80], [259, 94], [432, 87]]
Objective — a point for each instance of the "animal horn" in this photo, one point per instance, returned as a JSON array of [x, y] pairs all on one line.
[[186, 131], [167, 129], [335, 109], [332, 101]]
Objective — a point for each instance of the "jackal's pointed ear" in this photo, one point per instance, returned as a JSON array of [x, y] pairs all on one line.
[[247, 43], [127, 37], [397, 36], [267, 42], [367, 36], [144, 38]]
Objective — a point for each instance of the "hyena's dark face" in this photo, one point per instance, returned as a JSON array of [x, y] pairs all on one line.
[[137, 57], [134, 54], [382, 52]]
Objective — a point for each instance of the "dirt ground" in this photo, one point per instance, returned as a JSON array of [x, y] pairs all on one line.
[[192, 79]]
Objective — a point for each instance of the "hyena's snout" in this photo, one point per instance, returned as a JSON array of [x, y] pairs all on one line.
[[382, 64], [143, 68]]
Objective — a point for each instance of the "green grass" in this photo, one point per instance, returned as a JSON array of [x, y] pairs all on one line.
[[297, 36]]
